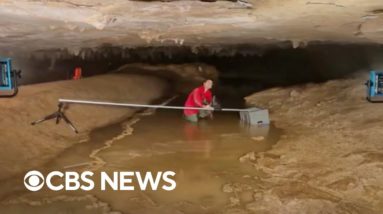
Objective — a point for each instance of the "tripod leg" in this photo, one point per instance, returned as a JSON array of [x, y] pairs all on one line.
[[69, 123], [58, 118], [51, 116]]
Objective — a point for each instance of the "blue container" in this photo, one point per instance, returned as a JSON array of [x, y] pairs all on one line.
[[8, 78], [375, 87], [5, 74]]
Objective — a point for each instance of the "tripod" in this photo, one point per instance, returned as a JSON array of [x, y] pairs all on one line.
[[58, 115]]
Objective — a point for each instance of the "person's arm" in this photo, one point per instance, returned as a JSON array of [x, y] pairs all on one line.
[[209, 97], [209, 100]]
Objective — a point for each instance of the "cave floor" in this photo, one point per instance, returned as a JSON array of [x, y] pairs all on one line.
[[211, 174], [327, 159]]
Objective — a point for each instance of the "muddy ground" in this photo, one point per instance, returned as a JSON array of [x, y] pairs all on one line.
[[27, 146], [327, 159], [24, 146], [330, 159]]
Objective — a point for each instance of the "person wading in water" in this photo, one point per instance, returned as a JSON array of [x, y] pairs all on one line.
[[200, 97]]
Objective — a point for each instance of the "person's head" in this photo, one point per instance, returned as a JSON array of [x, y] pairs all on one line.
[[208, 84]]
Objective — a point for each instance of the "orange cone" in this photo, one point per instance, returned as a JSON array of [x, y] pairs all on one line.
[[77, 74]]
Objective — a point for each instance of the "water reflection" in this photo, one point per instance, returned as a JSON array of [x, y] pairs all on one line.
[[204, 156], [255, 130]]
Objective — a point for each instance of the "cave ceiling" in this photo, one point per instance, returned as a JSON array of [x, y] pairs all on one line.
[[75, 24]]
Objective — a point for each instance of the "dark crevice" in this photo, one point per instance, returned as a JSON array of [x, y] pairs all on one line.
[[377, 11], [247, 68], [325, 3]]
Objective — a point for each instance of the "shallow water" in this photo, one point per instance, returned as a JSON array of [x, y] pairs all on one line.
[[205, 157]]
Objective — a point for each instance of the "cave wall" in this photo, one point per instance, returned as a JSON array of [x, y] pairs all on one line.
[[242, 67]]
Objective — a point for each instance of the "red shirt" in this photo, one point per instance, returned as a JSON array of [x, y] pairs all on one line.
[[197, 98]]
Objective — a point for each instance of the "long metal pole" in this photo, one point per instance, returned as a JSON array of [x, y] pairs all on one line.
[[89, 102]]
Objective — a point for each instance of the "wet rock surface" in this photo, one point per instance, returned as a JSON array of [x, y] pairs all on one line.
[[26, 146], [329, 160]]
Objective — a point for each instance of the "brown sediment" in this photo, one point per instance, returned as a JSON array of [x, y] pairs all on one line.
[[329, 159], [25, 146], [204, 158], [97, 162], [88, 204]]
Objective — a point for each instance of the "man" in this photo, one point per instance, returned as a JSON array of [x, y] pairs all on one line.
[[199, 97]]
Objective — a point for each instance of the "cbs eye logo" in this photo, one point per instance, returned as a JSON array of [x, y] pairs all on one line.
[[34, 181]]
